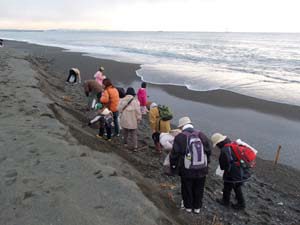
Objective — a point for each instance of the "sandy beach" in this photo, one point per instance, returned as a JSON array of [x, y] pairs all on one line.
[[54, 170]]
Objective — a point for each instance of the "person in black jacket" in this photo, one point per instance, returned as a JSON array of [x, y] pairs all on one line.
[[234, 173], [192, 180]]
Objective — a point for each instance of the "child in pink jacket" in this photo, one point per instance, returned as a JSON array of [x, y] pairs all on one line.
[[99, 76], [142, 97]]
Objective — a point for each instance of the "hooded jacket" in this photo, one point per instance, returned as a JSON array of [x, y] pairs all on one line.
[[110, 97], [179, 150], [156, 124], [131, 114], [142, 96]]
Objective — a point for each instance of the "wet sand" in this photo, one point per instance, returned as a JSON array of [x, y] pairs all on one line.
[[263, 124], [272, 195]]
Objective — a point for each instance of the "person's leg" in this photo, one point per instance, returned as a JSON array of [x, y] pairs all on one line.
[[125, 136], [116, 123], [198, 190], [108, 129], [134, 138], [226, 194], [187, 193], [239, 196], [102, 126]]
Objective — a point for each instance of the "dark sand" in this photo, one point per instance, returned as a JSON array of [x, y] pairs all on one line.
[[263, 124], [273, 193]]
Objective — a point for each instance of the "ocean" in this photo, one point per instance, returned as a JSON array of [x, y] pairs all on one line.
[[262, 65]]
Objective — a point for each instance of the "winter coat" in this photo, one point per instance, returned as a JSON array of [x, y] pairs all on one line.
[[156, 124], [179, 150], [142, 96], [99, 77], [110, 97], [232, 172], [131, 114], [91, 86]]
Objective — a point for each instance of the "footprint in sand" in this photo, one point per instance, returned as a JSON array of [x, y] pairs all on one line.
[[11, 176]]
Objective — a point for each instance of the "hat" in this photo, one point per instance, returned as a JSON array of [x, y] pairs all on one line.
[[184, 121], [98, 106], [216, 138], [153, 104], [101, 68], [105, 112]]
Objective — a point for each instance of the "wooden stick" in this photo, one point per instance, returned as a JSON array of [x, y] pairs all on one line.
[[277, 155]]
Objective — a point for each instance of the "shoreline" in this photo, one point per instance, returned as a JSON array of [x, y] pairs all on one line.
[[272, 194], [253, 120], [220, 97]]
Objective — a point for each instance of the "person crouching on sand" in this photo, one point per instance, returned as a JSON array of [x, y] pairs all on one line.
[[99, 75], [74, 76], [105, 118], [157, 125], [130, 116], [110, 98], [93, 91], [142, 97], [190, 157], [234, 175]]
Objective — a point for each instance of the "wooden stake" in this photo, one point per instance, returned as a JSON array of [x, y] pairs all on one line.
[[277, 155]]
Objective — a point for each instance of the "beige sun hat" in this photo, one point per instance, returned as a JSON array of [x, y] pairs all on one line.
[[184, 121], [216, 138], [105, 112]]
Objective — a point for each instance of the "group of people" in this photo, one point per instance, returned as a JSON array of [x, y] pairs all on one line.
[[190, 149]]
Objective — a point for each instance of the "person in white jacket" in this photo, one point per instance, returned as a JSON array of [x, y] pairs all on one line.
[[131, 115]]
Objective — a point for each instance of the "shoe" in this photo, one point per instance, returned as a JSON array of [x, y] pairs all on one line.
[[197, 211], [108, 139], [238, 206], [188, 210], [116, 135], [182, 205], [125, 145], [222, 202], [99, 136]]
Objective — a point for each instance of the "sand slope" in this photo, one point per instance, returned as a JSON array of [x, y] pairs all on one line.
[[47, 177]]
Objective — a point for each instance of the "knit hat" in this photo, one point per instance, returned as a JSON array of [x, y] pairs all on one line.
[[98, 106], [153, 104], [184, 121], [101, 68], [216, 138]]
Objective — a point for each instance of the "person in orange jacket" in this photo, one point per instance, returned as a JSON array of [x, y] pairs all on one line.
[[110, 98]]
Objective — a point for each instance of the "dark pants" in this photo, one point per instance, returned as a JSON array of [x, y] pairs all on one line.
[[237, 187], [192, 190], [72, 74], [105, 125], [116, 122]]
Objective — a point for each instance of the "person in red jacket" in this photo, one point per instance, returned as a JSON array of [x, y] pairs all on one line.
[[142, 97], [110, 98]]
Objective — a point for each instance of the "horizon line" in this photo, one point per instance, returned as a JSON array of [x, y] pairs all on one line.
[[166, 31]]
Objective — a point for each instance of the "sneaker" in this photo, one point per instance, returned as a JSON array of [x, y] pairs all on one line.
[[99, 136], [222, 202], [197, 211], [108, 139], [188, 210]]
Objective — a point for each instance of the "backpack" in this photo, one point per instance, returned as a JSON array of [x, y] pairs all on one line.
[[246, 157], [165, 113], [121, 92], [195, 157]]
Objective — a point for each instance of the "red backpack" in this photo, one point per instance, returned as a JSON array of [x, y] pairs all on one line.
[[244, 154]]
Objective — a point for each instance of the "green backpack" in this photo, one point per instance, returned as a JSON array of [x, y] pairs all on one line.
[[165, 113]]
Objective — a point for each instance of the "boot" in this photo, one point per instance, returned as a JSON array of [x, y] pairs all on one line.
[[238, 206], [222, 202]]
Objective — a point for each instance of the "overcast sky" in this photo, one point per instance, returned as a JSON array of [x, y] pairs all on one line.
[[166, 15]]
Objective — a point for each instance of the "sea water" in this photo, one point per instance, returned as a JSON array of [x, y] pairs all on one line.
[[263, 65]]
